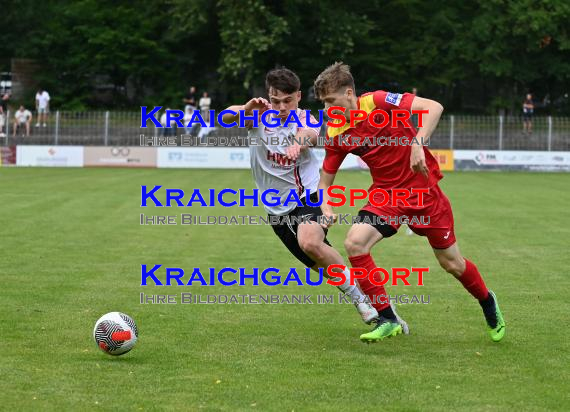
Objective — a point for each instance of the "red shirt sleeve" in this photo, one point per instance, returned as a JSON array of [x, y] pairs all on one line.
[[389, 101], [334, 156]]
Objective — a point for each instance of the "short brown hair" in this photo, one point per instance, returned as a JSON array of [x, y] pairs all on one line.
[[282, 79], [331, 79]]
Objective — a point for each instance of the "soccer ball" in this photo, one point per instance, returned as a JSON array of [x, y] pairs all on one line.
[[115, 333]]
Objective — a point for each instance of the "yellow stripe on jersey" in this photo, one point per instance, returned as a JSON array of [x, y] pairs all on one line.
[[366, 104]]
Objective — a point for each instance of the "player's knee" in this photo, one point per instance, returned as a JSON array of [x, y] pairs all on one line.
[[454, 266], [354, 246], [311, 246]]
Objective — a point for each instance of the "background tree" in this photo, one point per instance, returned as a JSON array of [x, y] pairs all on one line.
[[480, 56]]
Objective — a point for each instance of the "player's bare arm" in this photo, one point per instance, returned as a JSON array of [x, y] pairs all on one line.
[[430, 119], [304, 139], [325, 182], [257, 103]]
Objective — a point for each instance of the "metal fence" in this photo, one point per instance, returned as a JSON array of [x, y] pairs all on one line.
[[454, 131]]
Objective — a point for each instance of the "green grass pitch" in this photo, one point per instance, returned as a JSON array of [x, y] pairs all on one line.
[[72, 247]]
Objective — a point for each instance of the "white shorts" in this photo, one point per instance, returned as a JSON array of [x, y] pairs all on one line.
[[42, 110]]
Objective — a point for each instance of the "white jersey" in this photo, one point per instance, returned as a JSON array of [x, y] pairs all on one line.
[[272, 170]]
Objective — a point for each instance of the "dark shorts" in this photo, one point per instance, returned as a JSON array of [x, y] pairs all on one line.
[[527, 116], [287, 228]]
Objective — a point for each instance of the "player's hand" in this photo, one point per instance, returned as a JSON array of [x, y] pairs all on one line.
[[294, 151], [257, 103], [418, 160], [329, 219]]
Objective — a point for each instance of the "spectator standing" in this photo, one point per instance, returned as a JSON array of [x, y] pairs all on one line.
[[2, 121], [190, 98], [168, 129], [204, 104], [4, 102], [195, 128], [22, 118], [4, 113], [528, 111], [42, 106]]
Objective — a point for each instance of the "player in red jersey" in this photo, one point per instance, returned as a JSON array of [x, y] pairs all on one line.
[[407, 164]]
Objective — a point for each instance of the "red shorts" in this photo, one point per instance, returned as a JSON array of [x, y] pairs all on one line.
[[435, 218]]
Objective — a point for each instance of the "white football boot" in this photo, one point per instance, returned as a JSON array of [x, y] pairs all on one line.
[[367, 312]]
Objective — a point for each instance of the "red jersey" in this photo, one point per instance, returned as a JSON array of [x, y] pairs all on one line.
[[389, 163]]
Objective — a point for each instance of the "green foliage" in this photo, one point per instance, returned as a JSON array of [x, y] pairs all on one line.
[[123, 53], [248, 29]]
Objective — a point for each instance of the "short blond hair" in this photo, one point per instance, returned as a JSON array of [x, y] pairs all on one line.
[[333, 78]]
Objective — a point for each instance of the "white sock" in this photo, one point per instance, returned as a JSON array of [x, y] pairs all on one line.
[[351, 290]]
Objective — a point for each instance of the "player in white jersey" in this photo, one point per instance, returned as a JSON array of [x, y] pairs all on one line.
[[291, 165], [272, 165]]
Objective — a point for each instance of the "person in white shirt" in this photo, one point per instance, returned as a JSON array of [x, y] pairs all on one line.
[[187, 117], [22, 118], [168, 129], [204, 104], [42, 106]]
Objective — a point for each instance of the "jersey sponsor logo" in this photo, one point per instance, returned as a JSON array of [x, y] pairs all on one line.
[[394, 98], [278, 158]]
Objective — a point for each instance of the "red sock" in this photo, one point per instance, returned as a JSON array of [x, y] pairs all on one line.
[[472, 281], [372, 291]]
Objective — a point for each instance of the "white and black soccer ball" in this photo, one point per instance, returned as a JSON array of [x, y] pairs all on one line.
[[115, 333]]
